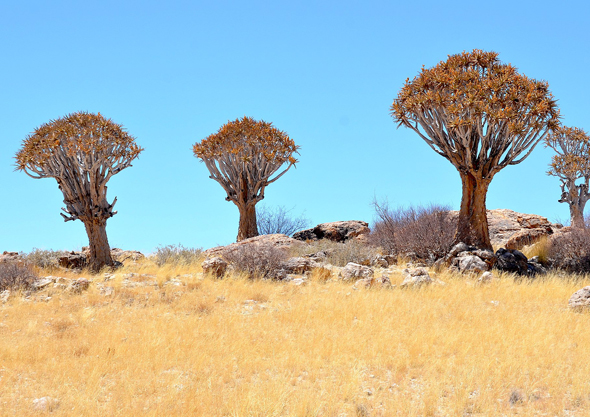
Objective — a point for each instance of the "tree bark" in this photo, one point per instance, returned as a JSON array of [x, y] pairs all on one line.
[[577, 214], [472, 225], [248, 227], [100, 251]]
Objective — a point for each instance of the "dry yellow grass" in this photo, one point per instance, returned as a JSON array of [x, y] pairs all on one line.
[[236, 347]]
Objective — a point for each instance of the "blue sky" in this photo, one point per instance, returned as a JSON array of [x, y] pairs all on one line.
[[325, 72]]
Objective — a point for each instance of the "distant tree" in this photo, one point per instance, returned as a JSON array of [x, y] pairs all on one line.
[[572, 166], [278, 220], [82, 151], [242, 156], [481, 115]]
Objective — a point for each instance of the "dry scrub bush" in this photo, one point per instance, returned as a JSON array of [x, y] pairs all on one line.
[[425, 233], [46, 259], [278, 220], [16, 276], [339, 253], [257, 260], [177, 255], [571, 251]]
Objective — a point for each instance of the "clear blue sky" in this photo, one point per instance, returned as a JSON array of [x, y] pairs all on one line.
[[326, 72]]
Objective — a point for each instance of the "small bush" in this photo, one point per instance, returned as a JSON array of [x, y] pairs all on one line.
[[339, 253], [570, 251], [279, 220], [16, 276], [257, 260], [46, 259], [177, 255], [424, 233]]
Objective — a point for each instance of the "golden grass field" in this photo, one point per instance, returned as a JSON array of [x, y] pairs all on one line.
[[237, 347]]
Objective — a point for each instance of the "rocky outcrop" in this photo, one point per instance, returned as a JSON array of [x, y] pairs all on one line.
[[580, 300], [215, 266], [336, 231], [354, 271], [279, 241], [10, 257], [122, 256], [467, 259]]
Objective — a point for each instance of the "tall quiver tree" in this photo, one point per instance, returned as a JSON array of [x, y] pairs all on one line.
[[481, 115], [82, 151], [572, 166], [242, 157]]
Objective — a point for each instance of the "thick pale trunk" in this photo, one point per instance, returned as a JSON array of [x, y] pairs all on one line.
[[577, 214], [100, 251], [472, 225], [248, 227]]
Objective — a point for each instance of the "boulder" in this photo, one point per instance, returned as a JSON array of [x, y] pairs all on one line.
[[10, 257], [486, 278], [279, 241], [43, 282], [335, 231], [415, 278], [215, 266], [471, 263], [121, 255], [4, 295], [512, 261], [580, 300], [299, 265], [79, 285], [352, 271]]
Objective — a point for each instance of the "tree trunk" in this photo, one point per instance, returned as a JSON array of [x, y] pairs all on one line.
[[248, 227], [100, 251], [472, 225], [577, 213]]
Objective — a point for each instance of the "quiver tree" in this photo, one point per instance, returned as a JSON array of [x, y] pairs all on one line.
[[82, 151], [242, 157], [572, 166], [481, 115]]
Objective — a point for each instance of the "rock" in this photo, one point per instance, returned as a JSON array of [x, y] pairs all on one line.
[[512, 261], [527, 237], [215, 266], [364, 283], [320, 256], [415, 278], [79, 285], [391, 259], [121, 255], [471, 263], [42, 283], [384, 282], [352, 270], [107, 291], [380, 262], [335, 231], [486, 278], [10, 257], [279, 241], [73, 260], [4, 295], [299, 265], [580, 300], [46, 404]]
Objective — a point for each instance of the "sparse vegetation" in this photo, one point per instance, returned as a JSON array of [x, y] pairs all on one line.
[[177, 255], [257, 260], [44, 258], [570, 251], [424, 233], [272, 220], [339, 253], [16, 276]]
